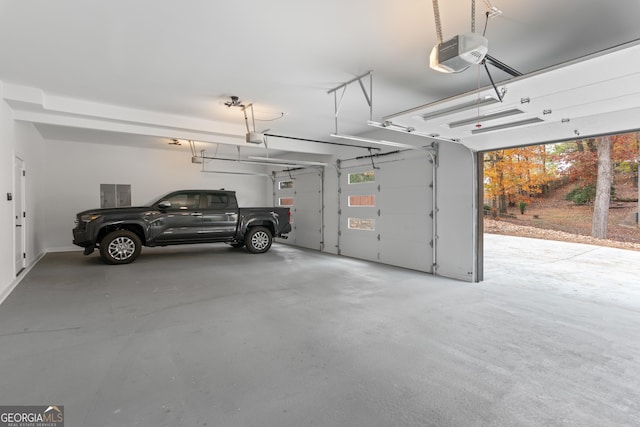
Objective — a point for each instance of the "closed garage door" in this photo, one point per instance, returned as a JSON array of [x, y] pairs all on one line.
[[385, 213], [301, 191]]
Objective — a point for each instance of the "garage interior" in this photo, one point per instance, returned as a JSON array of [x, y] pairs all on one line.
[[387, 312]]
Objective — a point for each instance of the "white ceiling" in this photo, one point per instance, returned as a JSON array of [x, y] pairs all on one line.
[[186, 58]]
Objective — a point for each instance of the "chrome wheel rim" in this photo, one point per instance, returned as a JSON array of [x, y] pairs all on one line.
[[260, 240], [121, 248]]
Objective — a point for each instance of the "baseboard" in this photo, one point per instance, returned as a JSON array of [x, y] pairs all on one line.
[[64, 249], [6, 292]]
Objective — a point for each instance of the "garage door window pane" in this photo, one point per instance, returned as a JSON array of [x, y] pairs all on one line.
[[362, 224], [368, 200], [362, 177], [285, 201], [283, 185]]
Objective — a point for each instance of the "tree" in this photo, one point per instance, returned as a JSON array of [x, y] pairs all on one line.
[[603, 189], [514, 175]]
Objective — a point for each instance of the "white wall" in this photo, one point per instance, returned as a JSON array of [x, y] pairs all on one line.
[[75, 170], [22, 140], [6, 207]]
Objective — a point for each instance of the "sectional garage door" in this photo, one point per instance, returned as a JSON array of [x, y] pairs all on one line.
[[301, 191], [385, 210]]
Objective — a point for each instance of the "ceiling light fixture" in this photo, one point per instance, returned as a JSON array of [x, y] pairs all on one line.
[[234, 102]]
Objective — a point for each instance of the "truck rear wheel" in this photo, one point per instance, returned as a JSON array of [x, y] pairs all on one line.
[[258, 240], [120, 247]]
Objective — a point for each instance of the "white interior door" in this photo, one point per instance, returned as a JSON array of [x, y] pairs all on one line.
[[301, 191], [19, 213]]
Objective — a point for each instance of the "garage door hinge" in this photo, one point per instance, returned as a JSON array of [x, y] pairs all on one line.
[[431, 185], [378, 212], [378, 237], [24, 255], [431, 214], [339, 211]]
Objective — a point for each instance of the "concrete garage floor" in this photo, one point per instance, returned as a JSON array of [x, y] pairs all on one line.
[[211, 336]]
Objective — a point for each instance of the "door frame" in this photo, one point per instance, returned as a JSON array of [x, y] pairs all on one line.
[[19, 211]]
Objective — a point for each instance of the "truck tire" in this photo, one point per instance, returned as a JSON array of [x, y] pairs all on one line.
[[258, 240], [120, 247]]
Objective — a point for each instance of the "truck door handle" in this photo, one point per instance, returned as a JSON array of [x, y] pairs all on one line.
[[196, 213], [230, 213]]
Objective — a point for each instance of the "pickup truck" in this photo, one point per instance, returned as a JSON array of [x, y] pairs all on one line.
[[180, 217]]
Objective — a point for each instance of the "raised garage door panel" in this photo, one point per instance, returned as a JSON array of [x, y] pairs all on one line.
[[305, 192], [457, 215]]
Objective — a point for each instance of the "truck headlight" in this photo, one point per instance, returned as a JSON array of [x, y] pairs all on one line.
[[89, 218]]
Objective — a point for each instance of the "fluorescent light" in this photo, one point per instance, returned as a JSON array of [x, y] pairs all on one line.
[[378, 142], [507, 125], [476, 103], [289, 162], [485, 118]]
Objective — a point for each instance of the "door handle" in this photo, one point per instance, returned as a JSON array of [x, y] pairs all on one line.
[[18, 225], [230, 213], [196, 213]]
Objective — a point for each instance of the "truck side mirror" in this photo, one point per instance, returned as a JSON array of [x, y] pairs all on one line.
[[165, 204]]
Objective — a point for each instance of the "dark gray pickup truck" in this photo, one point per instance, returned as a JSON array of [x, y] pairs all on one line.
[[180, 217]]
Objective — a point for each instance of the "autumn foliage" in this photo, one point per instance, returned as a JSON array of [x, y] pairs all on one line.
[[581, 157], [513, 176]]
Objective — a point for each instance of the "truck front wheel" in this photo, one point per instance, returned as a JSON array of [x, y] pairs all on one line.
[[120, 247], [258, 240]]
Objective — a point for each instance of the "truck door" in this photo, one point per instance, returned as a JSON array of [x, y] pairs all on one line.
[[219, 216], [180, 221]]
